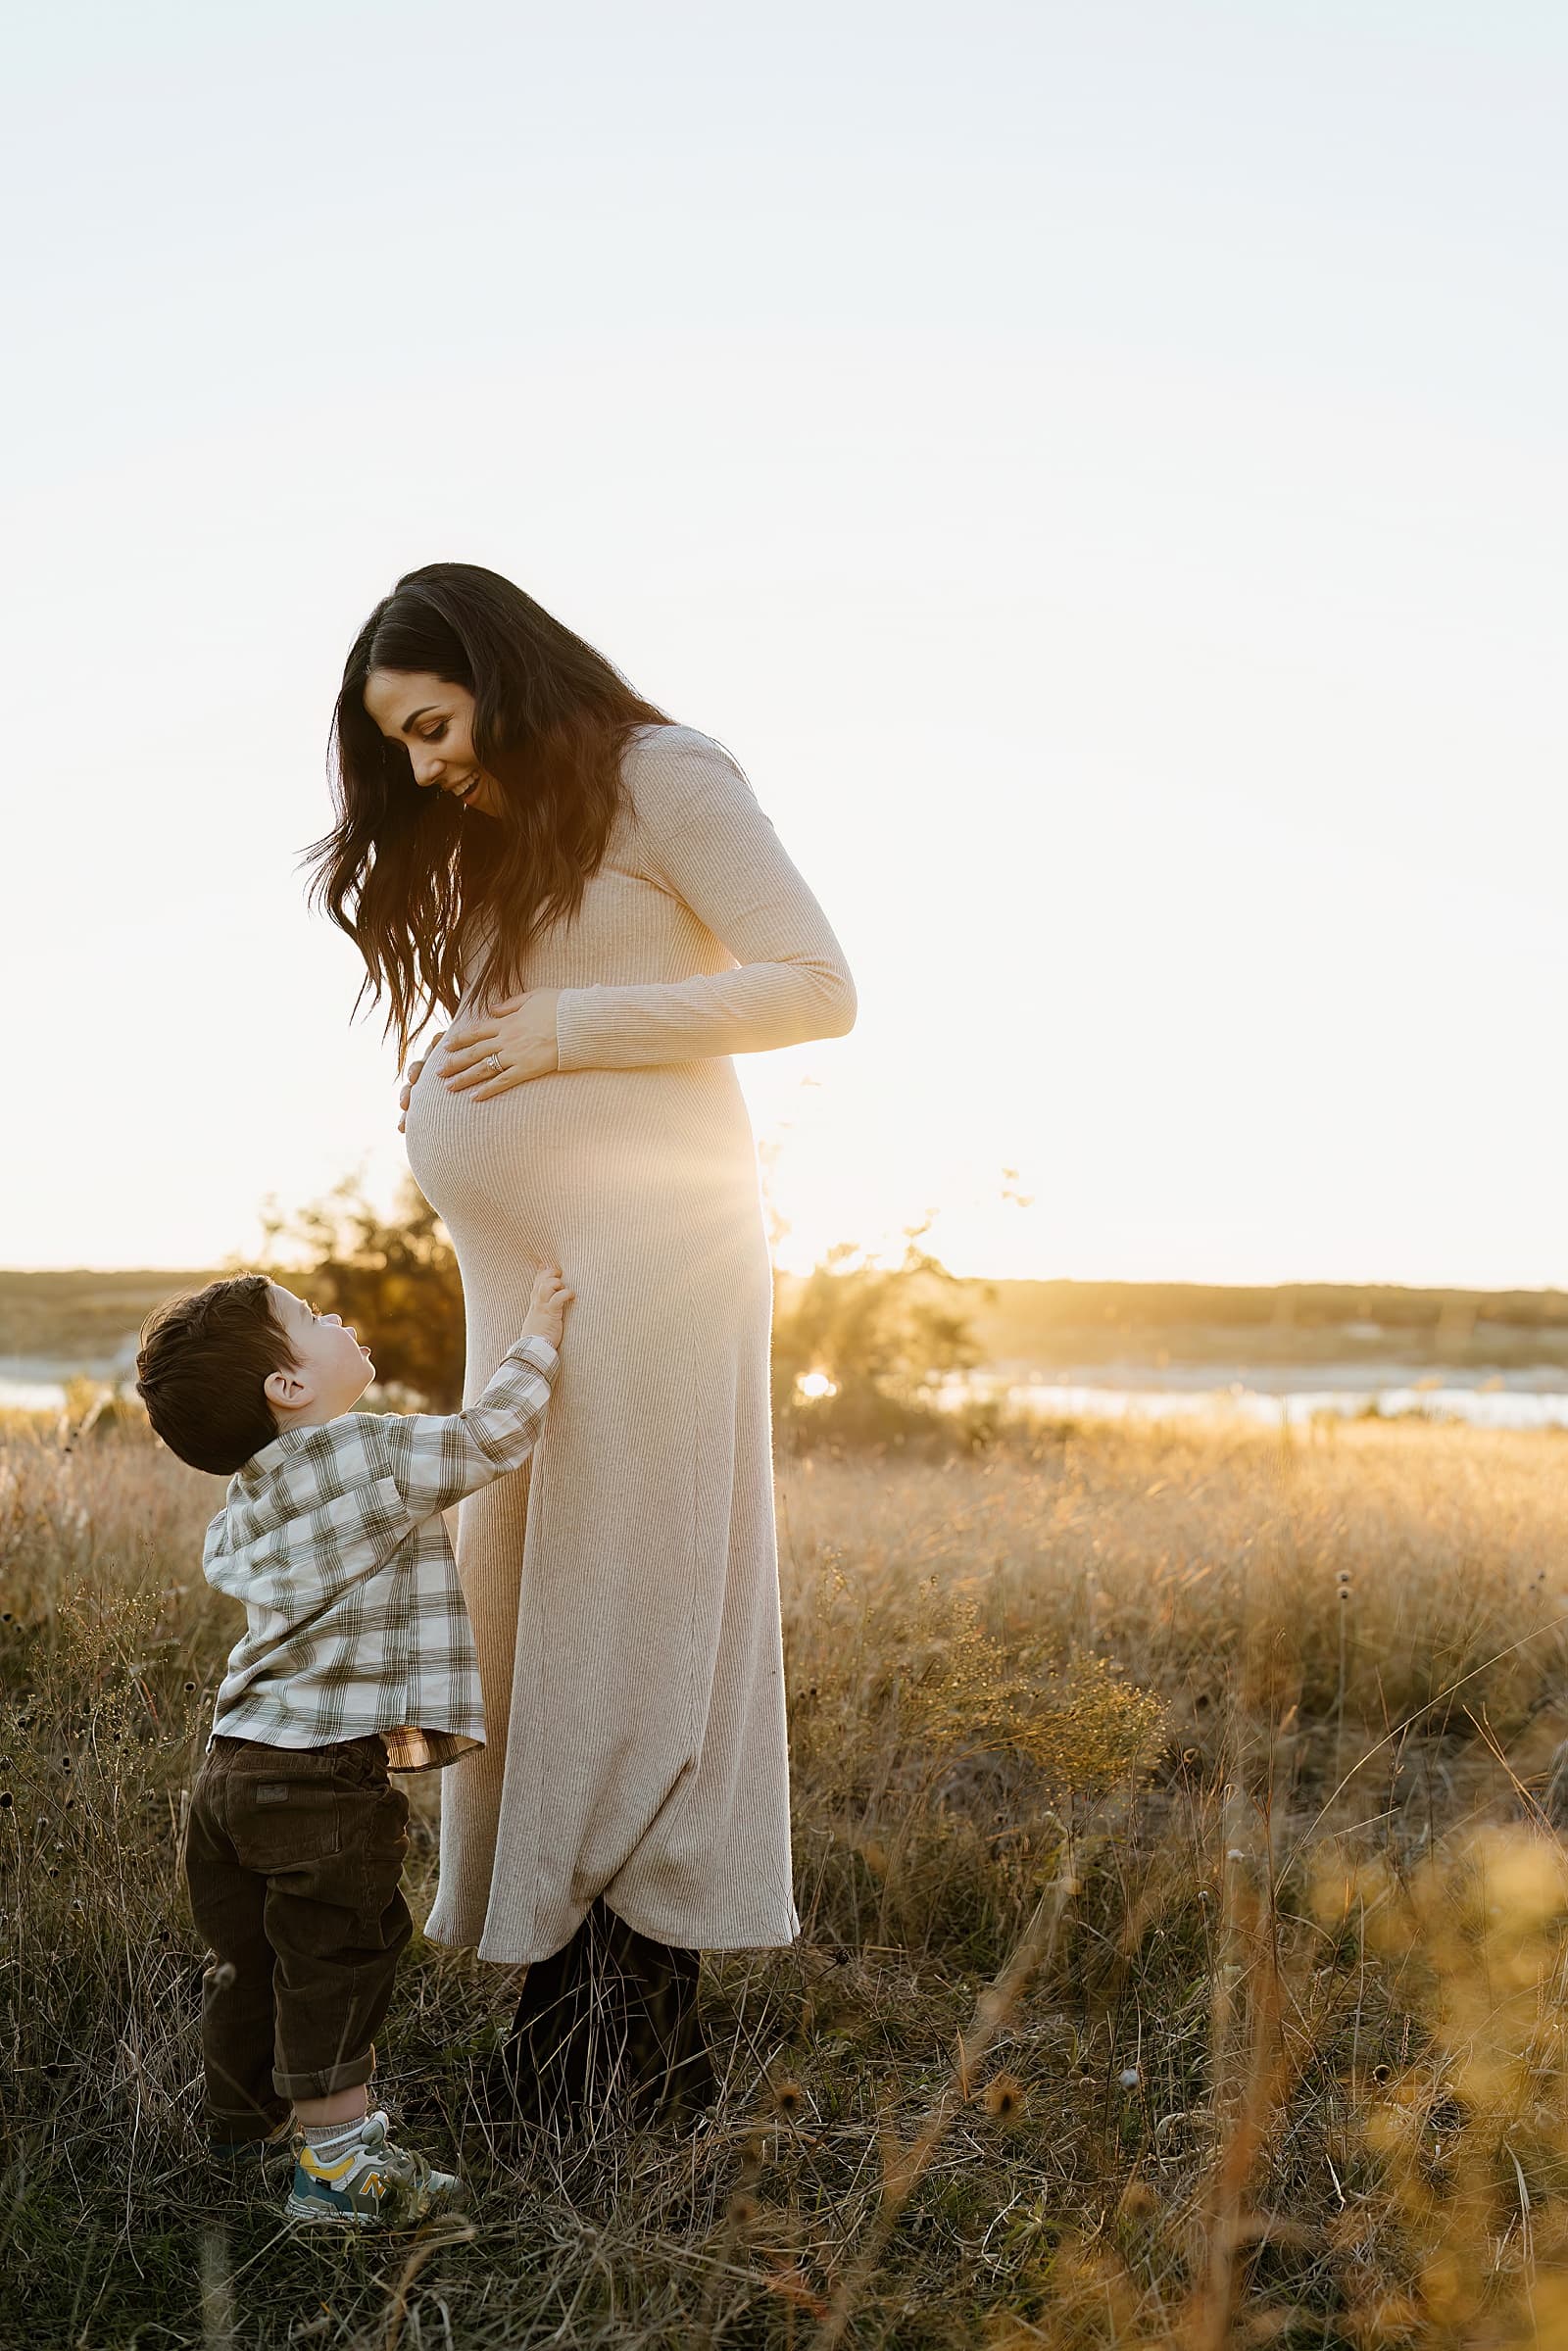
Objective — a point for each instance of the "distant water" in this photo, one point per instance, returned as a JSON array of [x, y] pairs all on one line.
[[31, 1395], [1517, 1400], [36, 1383]]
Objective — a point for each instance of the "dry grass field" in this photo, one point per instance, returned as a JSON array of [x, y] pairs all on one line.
[[1185, 1932]]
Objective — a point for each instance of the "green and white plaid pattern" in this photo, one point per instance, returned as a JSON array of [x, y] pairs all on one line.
[[334, 1540]]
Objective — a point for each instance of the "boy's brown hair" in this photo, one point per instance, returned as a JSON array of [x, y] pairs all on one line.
[[202, 1367]]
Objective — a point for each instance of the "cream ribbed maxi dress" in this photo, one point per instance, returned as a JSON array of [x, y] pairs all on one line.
[[624, 1587]]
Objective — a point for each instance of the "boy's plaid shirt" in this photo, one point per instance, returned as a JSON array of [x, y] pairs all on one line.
[[332, 1537]]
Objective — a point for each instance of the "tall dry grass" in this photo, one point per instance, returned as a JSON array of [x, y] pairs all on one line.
[[1183, 1954]]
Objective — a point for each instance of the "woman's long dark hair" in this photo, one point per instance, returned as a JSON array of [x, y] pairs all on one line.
[[411, 877]]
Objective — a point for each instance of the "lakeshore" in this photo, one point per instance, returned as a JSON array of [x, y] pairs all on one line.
[[1051, 1350]]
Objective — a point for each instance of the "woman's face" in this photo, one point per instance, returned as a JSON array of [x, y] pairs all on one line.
[[434, 722]]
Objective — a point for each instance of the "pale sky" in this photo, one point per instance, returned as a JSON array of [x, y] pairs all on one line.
[[1100, 468]]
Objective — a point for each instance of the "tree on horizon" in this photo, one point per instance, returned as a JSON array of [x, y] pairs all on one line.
[[394, 1276]]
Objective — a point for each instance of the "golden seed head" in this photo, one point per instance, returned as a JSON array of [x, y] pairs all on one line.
[[1004, 2098]]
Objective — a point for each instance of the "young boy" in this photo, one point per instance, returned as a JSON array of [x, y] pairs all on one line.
[[357, 1658]]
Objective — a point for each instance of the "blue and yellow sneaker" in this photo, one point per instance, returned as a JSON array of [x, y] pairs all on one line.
[[374, 2185]]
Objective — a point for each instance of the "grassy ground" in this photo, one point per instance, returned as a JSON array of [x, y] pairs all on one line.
[[1184, 1949]]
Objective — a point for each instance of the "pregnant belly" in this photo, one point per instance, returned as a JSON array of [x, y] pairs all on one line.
[[589, 1160]]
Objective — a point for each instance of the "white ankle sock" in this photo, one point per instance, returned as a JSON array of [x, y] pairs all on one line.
[[333, 2140]]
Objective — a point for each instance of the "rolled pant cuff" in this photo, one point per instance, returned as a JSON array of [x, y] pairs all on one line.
[[350, 2074]]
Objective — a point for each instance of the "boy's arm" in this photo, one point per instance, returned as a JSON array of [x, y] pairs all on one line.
[[436, 1459], [214, 1542]]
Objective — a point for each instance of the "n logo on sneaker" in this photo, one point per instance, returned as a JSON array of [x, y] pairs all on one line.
[[375, 2184]]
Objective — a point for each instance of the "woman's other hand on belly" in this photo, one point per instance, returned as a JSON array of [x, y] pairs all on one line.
[[490, 1053], [411, 1078]]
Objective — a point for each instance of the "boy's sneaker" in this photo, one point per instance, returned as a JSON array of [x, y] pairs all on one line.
[[374, 2185]]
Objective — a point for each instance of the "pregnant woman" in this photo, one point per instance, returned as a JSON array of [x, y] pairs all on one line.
[[594, 894]]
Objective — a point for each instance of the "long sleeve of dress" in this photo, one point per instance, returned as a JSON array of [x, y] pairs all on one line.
[[710, 845]]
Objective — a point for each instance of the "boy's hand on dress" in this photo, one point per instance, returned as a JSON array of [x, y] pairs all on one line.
[[547, 1307]]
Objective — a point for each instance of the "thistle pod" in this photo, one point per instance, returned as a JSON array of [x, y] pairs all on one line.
[[1004, 2098]]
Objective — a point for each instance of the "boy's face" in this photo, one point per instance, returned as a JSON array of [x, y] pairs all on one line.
[[332, 1370]]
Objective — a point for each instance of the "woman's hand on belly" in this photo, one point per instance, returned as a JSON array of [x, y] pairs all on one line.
[[490, 1053], [411, 1078]]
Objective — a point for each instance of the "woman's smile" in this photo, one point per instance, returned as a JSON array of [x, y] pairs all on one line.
[[431, 720]]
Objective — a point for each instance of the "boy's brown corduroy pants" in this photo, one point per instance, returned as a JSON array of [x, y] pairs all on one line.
[[293, 1858]]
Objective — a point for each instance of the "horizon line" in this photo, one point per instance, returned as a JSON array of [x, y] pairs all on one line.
[[1291, 1282]]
